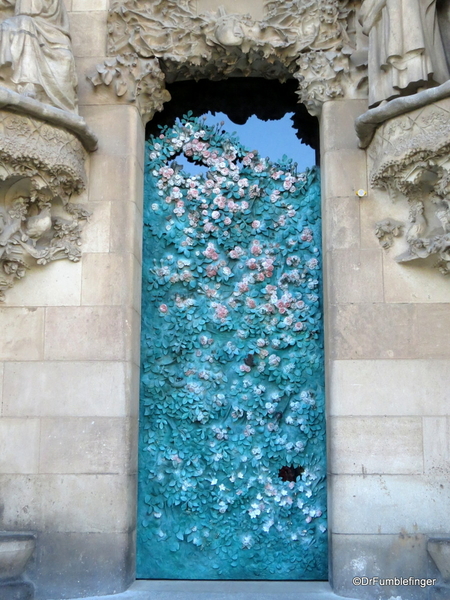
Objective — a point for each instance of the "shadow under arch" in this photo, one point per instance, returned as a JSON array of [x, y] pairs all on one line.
[[240, 98]]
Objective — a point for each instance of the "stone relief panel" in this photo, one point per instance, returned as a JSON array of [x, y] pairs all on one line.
[[41, 166], [312, 40], [410, 158]]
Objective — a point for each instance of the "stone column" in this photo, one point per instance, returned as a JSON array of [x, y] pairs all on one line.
[[387, 376]]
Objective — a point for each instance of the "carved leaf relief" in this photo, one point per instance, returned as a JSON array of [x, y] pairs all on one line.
[[410, 158], [311, 40]]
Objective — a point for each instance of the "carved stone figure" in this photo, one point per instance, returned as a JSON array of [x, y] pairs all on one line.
[[31, 233], [405, 47], [410, 158], [41, 167], [36, 57]]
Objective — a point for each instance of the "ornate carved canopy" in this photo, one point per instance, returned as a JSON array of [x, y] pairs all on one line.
[[311, 40]]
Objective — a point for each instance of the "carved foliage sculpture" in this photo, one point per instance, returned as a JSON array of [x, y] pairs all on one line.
[[41, 166], [411, 159], [135, 79], [312, 39]]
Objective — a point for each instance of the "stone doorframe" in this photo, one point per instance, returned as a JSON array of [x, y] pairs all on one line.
[[149, 45]]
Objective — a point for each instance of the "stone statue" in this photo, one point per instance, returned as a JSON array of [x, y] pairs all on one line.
[[36, 57], [405, 47]]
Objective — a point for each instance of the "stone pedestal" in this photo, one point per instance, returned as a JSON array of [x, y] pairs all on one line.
[[15, 552]]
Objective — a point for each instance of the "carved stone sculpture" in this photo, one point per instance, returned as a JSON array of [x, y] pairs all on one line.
[[312, 40], [41, 166], [410, 157], [32, 232], [405, 47], [134, 79], [36, 57], [43, 141]]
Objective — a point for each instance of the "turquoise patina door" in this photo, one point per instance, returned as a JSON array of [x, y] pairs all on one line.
[[232, 460]]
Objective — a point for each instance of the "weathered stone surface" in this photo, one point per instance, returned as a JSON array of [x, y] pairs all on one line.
[[19, 502], [126, 138], [89, 5], [373, 331], [389, 504], [355, 276], [87, 445], [85, 503], [88, 36], [431, 324], [97, 333], [126, 228], [436, 445], [371, 445], [22, 333], [341, 223], [111, 279], [389, 331], [389, 387], [115, 178], [383, 556], [66, 389], [100, 563], [337, 124], [96, 235], [19, 445], [56, 284], [52, 502], [413, 282], [1, 388], [344, 172]]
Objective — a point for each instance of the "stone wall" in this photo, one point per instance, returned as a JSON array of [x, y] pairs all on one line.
[[388, 379], [69, 374], [70, 354]]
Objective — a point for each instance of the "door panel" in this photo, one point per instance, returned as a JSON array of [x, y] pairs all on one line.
[[232, 459]]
